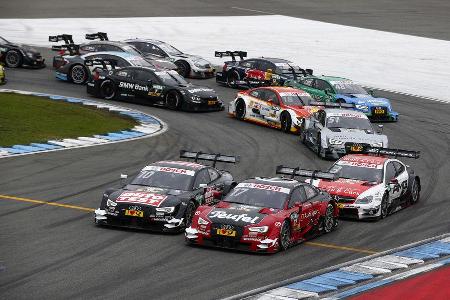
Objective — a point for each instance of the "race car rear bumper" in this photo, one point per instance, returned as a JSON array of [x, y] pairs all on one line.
[[102, 217]]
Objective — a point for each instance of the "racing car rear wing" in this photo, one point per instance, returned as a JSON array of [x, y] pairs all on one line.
[[104, 63], [357, 148], [69, 45], [102, 36], [233, 54], [333, 105], [314, 174], [67, 38], [196, 156]]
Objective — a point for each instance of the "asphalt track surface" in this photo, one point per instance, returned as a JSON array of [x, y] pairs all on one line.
[[49, 251]]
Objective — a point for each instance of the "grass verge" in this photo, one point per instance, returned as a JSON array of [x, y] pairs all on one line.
[[26, 119]]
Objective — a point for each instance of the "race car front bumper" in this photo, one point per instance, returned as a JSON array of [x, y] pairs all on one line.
[[200, 73], [33, 63], [166, 224], [204, 106], [359, 211]]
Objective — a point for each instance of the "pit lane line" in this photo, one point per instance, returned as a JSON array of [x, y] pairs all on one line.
[[88, 209]]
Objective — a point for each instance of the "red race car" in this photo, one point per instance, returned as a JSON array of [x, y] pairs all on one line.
[[371, 184], [284, 108], [266, 214]]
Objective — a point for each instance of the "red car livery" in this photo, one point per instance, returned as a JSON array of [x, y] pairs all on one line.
[[372, 185], [284, 108], [265, 215]]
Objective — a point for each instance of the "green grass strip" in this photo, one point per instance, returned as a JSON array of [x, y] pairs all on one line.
[[26, 119]]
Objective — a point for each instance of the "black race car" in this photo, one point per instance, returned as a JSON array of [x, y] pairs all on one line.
[[157, 87], [165, 194], [18, 55], [255, 72]]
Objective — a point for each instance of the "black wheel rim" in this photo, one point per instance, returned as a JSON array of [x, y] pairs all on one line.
[[108, 90], [12, 59], [240, 111], [329, 220], [172, 100], [383, 208], [189, 214], [284, 236], [182, 69], [78, 74]]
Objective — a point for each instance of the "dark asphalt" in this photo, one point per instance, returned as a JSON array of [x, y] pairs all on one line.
[[416, 17], [51, 252]]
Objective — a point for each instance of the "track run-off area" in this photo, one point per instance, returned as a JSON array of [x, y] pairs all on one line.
[[50, 246]]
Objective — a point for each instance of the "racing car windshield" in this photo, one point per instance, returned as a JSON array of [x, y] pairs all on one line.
[[349, 122], [257, 197], [171, 78], [163, 179], [348, 88], [363, 173], [139, 61], [295, 99], [132, 50], [169, 49]]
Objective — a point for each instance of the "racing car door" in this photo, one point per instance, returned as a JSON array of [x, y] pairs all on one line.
[[401, 174], [124, 81], [300, 214], [270, 107], [144, 82], [323, 88], [205, 187], [255, 105], [392, 181], [316, 126]]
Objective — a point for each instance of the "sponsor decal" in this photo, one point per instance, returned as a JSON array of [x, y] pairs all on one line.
[[196, 90], [134, 213], [225, 232], [141, 198], [197, 213], [264, 187], [360, 164], [251, 238], [150, 189], [347, 115], [242, 207], [133, 86], [218, 214], [182, 163], [293, 94], [169, 170], [309, 214], [277, 224], [294, 216]]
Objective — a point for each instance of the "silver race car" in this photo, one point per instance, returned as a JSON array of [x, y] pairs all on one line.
[[188, 65], [329, 130]]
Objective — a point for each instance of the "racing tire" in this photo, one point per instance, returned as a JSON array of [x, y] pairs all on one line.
[[286, 122], [183, 68], [329, 222], [231, 79], [13, 59], [173, 100], [415, 192], [240, 109], [285, 236], [319, 146], [107, 90], [189, 213], [340, 101], [384, 207], [78, 74], [303, 132]]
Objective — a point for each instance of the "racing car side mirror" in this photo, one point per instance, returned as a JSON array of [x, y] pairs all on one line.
[[150, 81], [202, 185], [123, 177], [380, 129], [371, 92]]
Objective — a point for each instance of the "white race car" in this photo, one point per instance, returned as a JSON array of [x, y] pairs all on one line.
[[372, 185]]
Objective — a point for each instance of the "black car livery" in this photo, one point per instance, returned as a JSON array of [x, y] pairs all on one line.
[[157, 87], [18, 55], [254, 72], [165, 194]]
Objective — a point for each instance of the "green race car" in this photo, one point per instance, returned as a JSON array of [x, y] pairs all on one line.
[[338, 89], [2, 75]]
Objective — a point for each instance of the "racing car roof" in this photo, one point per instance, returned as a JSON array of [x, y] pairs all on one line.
[[332, 78], [344, 112], [363, 160], [124, 55], [277, 60], [275, 181], [281, 89], [115, 43], [179, 164], [145, 40]]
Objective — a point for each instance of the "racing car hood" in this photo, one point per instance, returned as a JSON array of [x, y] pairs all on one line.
[[364, 99], [147, 196], [160, 63], [195, 59], [237, 214], [343, 187], [356, 136], [200, 91], [304, 111]]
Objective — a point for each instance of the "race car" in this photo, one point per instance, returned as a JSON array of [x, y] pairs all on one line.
[[157, 87], [329, 130], [277, 107], [2, 75], [189, 65], [338, 89], [164, 195], [101, 43], [255, 72], [373, 183], [18, 55], [266, 214], [72, 68]]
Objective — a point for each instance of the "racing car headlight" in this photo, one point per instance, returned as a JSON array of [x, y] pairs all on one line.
[[260, 229], [335, 142], [202, 221], [167, 210], [379, 144], [196, 99], [362, 107], [199, 64], [364, 200], [111, 203]]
